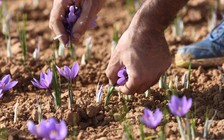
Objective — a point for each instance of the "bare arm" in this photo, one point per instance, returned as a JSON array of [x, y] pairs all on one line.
[[142, 49]]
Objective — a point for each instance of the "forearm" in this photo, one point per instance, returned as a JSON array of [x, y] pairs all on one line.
[[158, 13]]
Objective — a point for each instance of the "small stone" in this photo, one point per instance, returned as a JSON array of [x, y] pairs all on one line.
[[92, 111]]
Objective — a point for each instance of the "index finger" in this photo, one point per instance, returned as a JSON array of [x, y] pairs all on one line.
[[130, 87], [57, 17]]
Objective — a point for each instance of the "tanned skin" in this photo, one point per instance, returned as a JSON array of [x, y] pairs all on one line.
[[142, 48]]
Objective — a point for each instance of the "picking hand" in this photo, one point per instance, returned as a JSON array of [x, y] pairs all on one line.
[[89, 9], [145, 55]]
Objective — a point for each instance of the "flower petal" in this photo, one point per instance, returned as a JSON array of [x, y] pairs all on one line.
[[67, 72], [6, 79], [63, 131], [31, 127], [36, 83], [49, 77], [10, 85], [121, 81], [75, 70], [147, 112], [61, 72]]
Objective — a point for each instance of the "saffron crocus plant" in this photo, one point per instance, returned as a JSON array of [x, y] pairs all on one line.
[[70, 75], [151, 119], [6, 84], [179, 106], [45, 80], [48, 129]]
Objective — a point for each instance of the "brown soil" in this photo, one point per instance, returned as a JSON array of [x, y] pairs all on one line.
[[95, 121]]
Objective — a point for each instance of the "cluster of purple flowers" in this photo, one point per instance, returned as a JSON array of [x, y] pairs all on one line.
[[178, 107], [6, 84], [48, 129], [46, 78]]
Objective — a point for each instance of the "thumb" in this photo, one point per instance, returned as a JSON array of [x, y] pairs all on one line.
[[83, 22]]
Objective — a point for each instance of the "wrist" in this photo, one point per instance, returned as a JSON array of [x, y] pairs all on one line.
[[157, 14]]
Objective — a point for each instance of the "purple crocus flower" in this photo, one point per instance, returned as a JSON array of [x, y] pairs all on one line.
[[123, 76], [73, 15], [48, 129], [179, 106], [71, 18], [6, 84], [151, 119], [68, 73], [45, 80]]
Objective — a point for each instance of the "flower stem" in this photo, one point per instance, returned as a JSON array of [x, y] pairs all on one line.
[[181, 128], [70, 95]]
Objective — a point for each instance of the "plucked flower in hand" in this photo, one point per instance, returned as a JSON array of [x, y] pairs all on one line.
[[6, 84], [45, 80], [123, 76], [68, 73], [71, 18], [179, 106], [151, 119], [48, 129]]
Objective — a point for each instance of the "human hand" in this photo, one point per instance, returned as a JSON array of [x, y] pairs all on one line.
[[144, 53], [89, 9]]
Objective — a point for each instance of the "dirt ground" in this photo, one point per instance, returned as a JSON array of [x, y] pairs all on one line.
[[95, 121]]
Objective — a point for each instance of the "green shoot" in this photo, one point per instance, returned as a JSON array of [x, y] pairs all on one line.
[[22, 38], [61, 50], [72, 51], [188, 76], [15, 111], [208, 124], [142, 134], [130, 4], [182, 133], [109, 92], [39, 112], [70, 95], [8, 47], [128, 135], [56, 87]]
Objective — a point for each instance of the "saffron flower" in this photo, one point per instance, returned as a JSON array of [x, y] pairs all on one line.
[[48, 129], [6, 84], [151, 119], [71, 18], [73, 15], [68, 73], [45, 80], [179, 106], [123, 76]]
